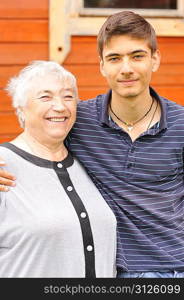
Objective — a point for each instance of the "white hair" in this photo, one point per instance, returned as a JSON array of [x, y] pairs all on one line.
[[18, 86]]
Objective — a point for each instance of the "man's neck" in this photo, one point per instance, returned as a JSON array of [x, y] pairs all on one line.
[[134, 115], [131, 109]]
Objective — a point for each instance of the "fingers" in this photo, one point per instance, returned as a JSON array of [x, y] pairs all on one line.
[[6, 179], [3, 188], [5, 183], [6, 175]]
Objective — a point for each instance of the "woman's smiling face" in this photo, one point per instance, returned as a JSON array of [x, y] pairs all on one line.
[[50, 110]]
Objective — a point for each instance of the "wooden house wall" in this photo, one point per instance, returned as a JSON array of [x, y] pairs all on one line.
[[24, 36], [168, 80]]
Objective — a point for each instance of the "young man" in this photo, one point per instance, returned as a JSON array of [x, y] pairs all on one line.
[[131, 143]]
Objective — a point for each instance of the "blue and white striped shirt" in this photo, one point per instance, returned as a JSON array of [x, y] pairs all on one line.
[[142, 181]]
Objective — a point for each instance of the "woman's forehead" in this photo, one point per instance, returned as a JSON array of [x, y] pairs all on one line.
[[51, 83]]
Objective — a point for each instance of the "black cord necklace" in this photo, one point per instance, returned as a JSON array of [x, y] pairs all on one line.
[[149, 125], [131, 125]]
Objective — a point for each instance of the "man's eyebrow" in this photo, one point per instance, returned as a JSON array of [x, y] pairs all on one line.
[[112, 54], [129, 53], [138, 51]]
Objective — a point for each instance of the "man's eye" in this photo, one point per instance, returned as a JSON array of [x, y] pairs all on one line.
[[138, 56], [113, 59]]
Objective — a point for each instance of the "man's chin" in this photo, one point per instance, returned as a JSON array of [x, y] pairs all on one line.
[[129, 95]]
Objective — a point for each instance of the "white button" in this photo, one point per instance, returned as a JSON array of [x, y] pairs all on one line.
[[83, 215], [59, 165], [89, 248], [69, 188]]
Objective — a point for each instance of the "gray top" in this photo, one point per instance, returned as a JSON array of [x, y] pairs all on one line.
[[54, 223]]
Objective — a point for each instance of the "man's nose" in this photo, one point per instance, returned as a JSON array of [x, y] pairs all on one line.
[[126, 67]]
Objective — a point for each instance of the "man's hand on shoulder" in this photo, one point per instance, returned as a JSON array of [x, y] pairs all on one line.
[[6, 179]]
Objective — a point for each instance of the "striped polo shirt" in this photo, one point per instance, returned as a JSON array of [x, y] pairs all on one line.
[[142, 181]]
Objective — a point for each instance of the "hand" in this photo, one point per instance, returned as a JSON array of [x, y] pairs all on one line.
[[6, 179]]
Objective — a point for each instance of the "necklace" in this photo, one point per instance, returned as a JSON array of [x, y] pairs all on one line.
[[131, 125], [152, 116]]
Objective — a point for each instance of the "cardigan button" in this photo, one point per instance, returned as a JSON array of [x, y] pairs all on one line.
[[89, 248], [69, 188], [83, 215], [59, 165]]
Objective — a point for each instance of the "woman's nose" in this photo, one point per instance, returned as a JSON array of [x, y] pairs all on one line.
[[58, 104]]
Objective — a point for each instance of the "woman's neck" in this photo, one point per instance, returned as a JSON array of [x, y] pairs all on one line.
[[54, 151]]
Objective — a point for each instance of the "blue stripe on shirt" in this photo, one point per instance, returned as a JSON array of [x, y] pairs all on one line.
[[142, 181]]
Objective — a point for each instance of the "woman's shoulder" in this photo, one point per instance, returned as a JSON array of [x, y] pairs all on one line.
[[5, 148], [7, 153]]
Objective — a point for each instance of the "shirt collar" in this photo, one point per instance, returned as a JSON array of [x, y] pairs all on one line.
[[163, 105], [104, 115], [104, 103], [38, 161]]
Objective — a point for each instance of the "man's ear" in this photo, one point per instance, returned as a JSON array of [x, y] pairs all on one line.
[[156, 57], [102, 68]]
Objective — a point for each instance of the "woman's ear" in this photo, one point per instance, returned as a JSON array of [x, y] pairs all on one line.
[[21, 116]]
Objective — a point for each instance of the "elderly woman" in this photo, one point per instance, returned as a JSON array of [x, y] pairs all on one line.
[[60, 229]]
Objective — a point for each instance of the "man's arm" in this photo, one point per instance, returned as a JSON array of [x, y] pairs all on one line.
[[6, 179]]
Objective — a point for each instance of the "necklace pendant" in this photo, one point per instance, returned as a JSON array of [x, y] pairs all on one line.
[[129, 127]]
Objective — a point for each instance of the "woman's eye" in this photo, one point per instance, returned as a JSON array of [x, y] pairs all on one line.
[[45, 98], [68, 97]]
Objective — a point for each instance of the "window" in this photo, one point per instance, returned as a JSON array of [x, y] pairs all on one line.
[[85, 17], [151, 4], [163, 8]]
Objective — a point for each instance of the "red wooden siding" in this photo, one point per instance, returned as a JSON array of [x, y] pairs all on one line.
[[24, 36], [168, 81]]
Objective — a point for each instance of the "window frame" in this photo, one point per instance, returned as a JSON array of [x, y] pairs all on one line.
[[179, 12], [66, 20]]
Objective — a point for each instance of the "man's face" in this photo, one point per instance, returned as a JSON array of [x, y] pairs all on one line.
[[127, 64]]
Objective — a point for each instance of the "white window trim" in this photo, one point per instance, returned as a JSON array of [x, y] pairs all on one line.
[[65, 20]]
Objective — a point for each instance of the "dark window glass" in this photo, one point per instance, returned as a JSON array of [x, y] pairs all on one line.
[[151, 4]]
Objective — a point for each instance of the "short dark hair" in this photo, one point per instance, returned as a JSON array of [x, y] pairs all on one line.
[[126, 23]]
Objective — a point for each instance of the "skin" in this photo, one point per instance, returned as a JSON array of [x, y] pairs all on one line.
[[127, 64], [6, 178], [49, 113]]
